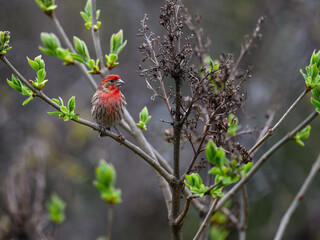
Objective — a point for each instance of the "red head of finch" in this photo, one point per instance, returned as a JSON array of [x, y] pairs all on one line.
[[108, 102]]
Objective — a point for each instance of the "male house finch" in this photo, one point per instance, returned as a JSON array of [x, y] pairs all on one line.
[[108, 102]]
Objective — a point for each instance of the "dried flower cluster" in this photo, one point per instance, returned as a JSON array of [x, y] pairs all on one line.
[[205, 96]]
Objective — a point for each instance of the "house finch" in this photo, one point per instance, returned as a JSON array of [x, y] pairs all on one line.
[[107, 103]]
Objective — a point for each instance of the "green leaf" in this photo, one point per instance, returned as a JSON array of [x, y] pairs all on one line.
[[48, 51], [215, 171], [56, 207], [143, 114], [53, 113], [15, 84], [87, 8], [27, 100], [303, 134], [41, 74], [33, 64], [71, 104], [77, 57], [85, 16], [61, 101], [119, 49], [211, 152], [64, 110], [316, 92], [56, 101], [81, 48], [315, 103]]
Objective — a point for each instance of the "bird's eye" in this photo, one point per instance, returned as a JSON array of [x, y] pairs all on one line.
[[111, 81]]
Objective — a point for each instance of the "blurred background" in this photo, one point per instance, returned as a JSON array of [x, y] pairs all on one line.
[[71, 151]]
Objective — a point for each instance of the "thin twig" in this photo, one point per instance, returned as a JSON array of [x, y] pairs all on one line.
[[151, 161], [245, 49], [230, 215], [271, 130], [96, 39], [244, 209], [256, 167], [110, 221], [206, 219], [298, 198], [69, 45], [184, 212]]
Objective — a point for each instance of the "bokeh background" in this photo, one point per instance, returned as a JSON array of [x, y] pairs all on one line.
[[71, 151]]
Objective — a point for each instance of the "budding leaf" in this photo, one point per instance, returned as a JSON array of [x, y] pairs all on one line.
[[33, 64], [71, 104], [56, 207], [303, 134]]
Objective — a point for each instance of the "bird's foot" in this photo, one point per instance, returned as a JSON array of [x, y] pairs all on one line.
[[101, 131]]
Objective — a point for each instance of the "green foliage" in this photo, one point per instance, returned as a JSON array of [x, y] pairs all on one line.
[[316, 92], [66, 112], [24, 90], [303, 134], [233, 125], [226, 171], [53, 48], [312, 78], [86, 15], [211, 65], [194, 183], [144, 119], [105, 180], [84, 56], [4, 42], [56, 207], [218, 233], [47, 6], [116, 46], [38, 65]]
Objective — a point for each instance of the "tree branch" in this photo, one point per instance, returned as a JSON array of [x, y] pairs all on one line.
[[298, 198], [244, 208], [96, 39], [69, 45], [151, 161], [255, 168], [206, 219], [271, 130]]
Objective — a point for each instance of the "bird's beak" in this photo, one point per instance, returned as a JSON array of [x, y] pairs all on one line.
[[119, 83]]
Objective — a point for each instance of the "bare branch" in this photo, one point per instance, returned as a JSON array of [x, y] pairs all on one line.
[[96, 39], [271, 130], [69, 45], [298, 198]]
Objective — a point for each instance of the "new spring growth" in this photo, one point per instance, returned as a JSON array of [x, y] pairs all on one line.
[[194, 183], [66, 112], [84, 56], [53, 48], [312, 78], [303, 134], [21, 88], [226, 171], [233, 124], [144, 119], [105, 181], [116, 46], [47, 6], [86, 15], [56, 208], [4, 42], [38, 65]]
